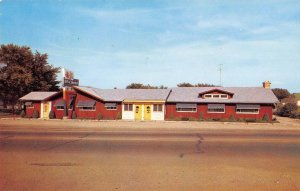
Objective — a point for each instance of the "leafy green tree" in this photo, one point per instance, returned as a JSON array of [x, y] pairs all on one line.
[[281, 93], [288, 110], [142, 86], [185, 84], [204, 85], [21, 72]]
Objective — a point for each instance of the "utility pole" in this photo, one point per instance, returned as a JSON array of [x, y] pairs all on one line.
[[220, 70]]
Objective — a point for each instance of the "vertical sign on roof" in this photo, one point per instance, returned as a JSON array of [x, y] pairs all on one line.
[[68, 79]]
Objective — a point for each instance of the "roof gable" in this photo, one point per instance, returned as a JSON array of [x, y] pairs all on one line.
[[215, 90]]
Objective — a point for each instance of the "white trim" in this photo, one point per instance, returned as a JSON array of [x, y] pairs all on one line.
[[219, 96], [238, 112], [187, 111], [216, 111], [42, 110], [246, 113]]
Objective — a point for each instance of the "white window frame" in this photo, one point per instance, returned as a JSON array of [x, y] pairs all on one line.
[[128, 105], [192, 110], [111, 108], [240, 112], [157, 106], [92, 108], [216, 96], [215, 111], [63, 108]]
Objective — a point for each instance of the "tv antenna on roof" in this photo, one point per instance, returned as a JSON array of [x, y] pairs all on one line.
[[220, 70]]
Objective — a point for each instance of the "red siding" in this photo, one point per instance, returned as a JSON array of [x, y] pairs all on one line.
[[30, 110], [59, 114], [107, 114], [229, 110]]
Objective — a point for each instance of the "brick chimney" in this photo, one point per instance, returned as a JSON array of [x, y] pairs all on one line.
[[267, 84]]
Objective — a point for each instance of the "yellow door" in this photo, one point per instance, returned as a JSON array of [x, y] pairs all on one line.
[[138, 112], [46, 110], [147, 112]]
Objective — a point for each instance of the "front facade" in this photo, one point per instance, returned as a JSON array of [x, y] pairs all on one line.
[[193, 103], [220, 103], [143, 110]]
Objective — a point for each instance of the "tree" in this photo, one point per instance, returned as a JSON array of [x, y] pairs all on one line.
[[288, 110], [142, 86], [185, 84], [281, 93], [21, 72], [204, 85]]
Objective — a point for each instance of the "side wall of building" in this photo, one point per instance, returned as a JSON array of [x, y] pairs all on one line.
[[30, 110], [230, 110], [100, 108]]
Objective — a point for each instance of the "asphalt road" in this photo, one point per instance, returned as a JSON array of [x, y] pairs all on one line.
[[148, 159]]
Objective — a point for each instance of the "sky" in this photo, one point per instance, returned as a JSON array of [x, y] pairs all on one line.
[[112, 43]]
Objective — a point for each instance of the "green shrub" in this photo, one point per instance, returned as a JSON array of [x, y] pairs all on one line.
[[23, 114], [171, 116], [266, 118], [74, 116], [200, 116], [65, 112], [184, 119], [288, 109], [216, 119], [99, 117], [241, 120], [51, 115], [35, 114], [250, 120], [177, 119], [231, 118], [192, 119], [119, 115]]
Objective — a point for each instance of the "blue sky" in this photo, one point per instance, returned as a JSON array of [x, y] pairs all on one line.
[[111, 43]]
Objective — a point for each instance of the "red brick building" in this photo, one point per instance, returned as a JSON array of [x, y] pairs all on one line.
[[188, 103]]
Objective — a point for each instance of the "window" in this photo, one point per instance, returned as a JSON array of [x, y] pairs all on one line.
[[216, 108], [255, 111], [88, 105], [218, 96], [29, 104], [88, 108], [60, 107], [111, 106], [128, 107], [183, 107], [247, 109], [157, 107], [60, 104]]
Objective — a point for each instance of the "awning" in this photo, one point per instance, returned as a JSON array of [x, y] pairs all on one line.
[[60, 103], [186, 105], [247, 106], [216, 106], [86, 103], [27, 103], [110, 104]]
